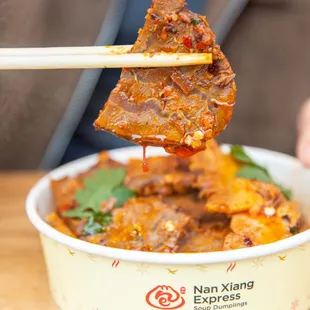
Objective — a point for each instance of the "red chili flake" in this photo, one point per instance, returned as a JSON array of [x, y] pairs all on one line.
[[201, 46], [168, 91], [64, 207], [188, 42]]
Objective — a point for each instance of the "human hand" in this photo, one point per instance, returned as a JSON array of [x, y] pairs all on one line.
[[303, 126]]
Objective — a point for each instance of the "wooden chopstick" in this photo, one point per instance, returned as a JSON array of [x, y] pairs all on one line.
[[78, 50], [93, 57]]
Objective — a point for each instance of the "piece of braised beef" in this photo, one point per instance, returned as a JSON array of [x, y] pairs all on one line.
[[147, 224], [178, 108]]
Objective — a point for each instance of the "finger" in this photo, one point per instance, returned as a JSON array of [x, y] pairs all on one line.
[[303, 144]]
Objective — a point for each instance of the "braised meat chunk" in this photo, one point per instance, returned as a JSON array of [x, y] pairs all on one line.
[[193, 206], [246, 195], [260, 229], [167, 176], [189, 204], [58, 223], [64, 191], [290, 212], [209, 238], [177, 108], [215, 169], [147, 224]]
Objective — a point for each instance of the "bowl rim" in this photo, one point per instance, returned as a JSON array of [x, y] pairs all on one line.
[[151, 257]]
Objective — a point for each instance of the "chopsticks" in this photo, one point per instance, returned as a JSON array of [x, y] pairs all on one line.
[[70, 51], [93, 57]]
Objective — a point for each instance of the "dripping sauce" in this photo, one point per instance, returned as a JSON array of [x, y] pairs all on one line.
[[181, 151], [145, 166]]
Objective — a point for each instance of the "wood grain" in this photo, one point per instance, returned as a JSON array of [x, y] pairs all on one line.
[[23, 279]]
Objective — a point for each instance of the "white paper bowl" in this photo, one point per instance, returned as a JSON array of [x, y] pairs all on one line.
[[85, 276]]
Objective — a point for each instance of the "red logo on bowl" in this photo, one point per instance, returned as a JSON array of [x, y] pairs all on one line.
[[164, 297]]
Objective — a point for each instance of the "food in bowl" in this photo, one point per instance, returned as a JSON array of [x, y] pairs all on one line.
[[84, 275], [209, 202], [176, 108]]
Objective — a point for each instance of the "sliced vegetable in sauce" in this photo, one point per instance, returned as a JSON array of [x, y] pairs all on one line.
[[253, 171]]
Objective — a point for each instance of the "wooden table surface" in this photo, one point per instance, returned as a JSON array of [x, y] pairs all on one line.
[[23, 279]]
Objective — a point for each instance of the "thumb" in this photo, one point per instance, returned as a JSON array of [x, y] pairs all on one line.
[[303, 144]]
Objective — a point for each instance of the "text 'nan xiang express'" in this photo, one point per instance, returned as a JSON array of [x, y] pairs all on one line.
[[225, 292]]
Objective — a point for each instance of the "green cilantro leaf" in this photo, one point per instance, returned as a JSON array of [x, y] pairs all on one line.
[[97, 222], [195, 22], [122, 194], [102, 185], [253, 171], [240, 155], [287, 192], [99, 187], [78, 213], [104, 219], [92, 227]]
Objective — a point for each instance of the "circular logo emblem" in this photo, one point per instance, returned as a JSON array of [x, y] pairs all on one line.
[[164, 297]]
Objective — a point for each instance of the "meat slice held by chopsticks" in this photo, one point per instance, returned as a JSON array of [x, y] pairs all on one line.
[[178, 108]]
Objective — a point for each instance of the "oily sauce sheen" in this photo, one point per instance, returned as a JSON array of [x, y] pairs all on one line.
[[145, 166], [177, 108]]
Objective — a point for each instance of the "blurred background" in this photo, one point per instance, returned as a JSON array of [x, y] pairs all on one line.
[[46, 117]]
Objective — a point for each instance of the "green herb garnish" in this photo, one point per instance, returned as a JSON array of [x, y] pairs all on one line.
[[92, 227], [195, 22], [102, 185], [294, 230], [287, 192], [240, 155], [253, 171], [97, 222]]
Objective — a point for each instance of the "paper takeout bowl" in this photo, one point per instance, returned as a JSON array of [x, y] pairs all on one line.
[[86, 276]]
